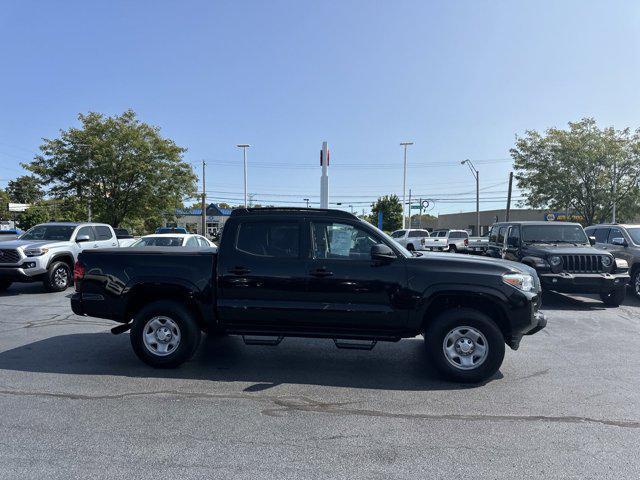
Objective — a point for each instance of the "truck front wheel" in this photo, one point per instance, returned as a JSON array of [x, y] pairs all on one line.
[[465, 345], [164, 334], [58, 277], [4, 284], [613, 298]]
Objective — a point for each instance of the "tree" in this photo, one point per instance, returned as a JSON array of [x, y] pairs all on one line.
[[391, 209], [25, 189], [4, 205], [575, 169], [123, 167]]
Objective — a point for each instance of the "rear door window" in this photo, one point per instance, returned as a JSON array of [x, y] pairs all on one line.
[[269, 239], [103, 232], [418, 233]]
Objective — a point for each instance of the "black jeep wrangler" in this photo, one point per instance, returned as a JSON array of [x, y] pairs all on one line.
[[563, 256]]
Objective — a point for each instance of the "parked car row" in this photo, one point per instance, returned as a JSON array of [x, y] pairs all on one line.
[[48, 252]]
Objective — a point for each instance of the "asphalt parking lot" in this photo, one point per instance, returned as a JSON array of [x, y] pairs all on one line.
[[76, 403]]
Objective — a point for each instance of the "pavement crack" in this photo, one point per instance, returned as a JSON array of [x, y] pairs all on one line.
[[285, 405]]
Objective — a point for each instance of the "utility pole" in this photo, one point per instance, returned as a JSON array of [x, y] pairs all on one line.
[[204, 207], [244, 147], [404, 184], [409, 209], [615, 188], [476, 175], [324, 178], [509, 197]]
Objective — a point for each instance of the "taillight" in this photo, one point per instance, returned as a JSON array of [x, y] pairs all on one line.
[[78, 272], [466, 242]]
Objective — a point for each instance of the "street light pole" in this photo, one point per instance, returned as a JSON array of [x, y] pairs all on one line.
[[476, 175], [244, 147], [306, 200], [615, 188], [404, 184]]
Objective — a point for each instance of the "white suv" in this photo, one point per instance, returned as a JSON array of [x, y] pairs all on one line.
[[411, 239], [48, 252]]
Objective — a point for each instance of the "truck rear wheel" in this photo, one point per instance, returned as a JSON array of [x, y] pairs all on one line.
[[453, 249], [465, 345], [58, 277], [613, 298], [164, 334], [410, 247]]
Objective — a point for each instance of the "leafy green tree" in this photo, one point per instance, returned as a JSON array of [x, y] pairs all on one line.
[[575, 169], [25, 189], [4, 205], [391, 209], [124, 167]]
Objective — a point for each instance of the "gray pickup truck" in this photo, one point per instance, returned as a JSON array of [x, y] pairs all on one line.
[[48, 252], [622, 241]]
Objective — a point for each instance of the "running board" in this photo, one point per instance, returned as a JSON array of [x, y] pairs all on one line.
[[354, 344], [268, 341]]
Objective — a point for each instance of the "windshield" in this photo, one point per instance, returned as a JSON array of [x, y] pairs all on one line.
[[554, 233], [158, 242], [634, 233], [49, 232]]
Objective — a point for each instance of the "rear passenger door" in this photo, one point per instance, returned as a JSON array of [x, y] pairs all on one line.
[[105, 237], [263, 273]]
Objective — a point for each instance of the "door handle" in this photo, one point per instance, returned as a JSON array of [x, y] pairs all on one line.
[[239, 270], [320, 273], [95, 245]]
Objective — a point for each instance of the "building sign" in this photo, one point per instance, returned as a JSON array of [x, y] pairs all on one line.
[[563, 217], [18, 207]]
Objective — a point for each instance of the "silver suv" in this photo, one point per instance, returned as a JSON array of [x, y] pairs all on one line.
[[48, 252], [623, 241]]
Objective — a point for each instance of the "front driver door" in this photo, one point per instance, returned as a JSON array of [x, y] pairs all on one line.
[[346, 288]]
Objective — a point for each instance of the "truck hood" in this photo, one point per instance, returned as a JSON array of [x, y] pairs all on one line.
[[468, 261], [24, 244], [563, 249]]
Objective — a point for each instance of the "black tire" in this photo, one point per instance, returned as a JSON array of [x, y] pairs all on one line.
[[613, 298], [4, 285], [439, 329], [187, 328], [410, 247], [58, 277], [453, 249], [635, 283]]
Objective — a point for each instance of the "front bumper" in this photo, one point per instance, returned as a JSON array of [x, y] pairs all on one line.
[[583, 282], [27, 271]]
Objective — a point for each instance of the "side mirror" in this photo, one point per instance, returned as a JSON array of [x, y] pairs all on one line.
[[619, 241], [82, 238], [382, 252], [592, 240]]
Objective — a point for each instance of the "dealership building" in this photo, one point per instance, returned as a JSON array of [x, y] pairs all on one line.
[[191, 219]]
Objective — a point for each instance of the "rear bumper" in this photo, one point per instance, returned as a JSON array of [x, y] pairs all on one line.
[[583, 282]]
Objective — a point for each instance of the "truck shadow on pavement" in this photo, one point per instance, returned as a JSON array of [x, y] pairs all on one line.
[[560, 301], [390, 366]]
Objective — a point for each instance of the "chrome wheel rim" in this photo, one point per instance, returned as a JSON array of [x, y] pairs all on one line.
[[61, 277], [636, 284], [465, 348], [161, 336]]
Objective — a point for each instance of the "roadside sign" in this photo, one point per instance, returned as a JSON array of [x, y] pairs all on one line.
[[425, 204], [18, 207]]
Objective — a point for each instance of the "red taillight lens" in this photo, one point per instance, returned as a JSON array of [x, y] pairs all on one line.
[[78, 272], [466, 241]]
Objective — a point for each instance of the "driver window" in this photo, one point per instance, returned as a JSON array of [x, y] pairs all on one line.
[[86, 231], [341, 241], [614, 233], [514, 236]]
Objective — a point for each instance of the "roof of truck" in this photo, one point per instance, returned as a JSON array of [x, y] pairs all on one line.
[[239, 212]]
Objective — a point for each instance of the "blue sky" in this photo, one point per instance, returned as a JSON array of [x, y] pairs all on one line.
[[458, 78]]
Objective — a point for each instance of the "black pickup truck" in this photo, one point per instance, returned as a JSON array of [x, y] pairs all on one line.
[[311, 273]]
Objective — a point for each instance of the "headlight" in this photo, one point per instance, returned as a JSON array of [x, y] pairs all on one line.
[[521, 281], [555, 260], [606, 262], [35, 252]]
